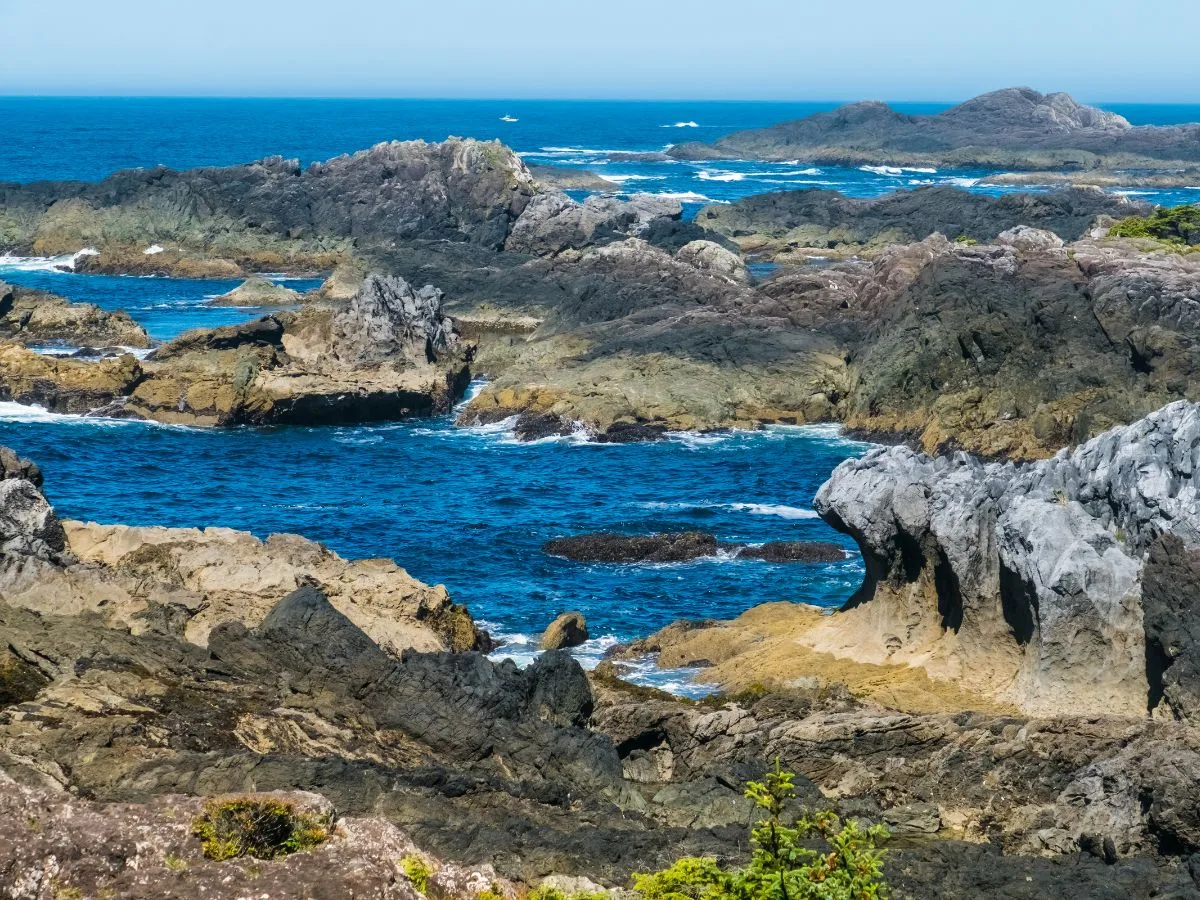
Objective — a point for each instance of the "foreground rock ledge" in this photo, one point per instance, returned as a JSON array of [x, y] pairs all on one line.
[[533, 771]]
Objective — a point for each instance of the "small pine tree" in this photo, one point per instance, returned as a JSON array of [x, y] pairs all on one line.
[[781, 866]]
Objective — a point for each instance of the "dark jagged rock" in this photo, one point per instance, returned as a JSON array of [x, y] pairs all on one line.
[[274, 211], [1011, 128], [829, 220], [793, 551], [388, 321], [623, 548]]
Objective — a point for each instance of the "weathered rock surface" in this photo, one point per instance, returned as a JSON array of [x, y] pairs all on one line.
[[1011, 128], [684, 546], [552, 222], [185, 582], [567, 630], [258, 291], [67, 846], [36, 318], [790, 224], [1026, 582], [387, 353]]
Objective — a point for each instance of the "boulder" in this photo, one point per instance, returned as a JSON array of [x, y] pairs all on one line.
[[568, 630]]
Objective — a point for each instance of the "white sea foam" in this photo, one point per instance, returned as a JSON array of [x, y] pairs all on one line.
[[687, 197], [759, 509], [523, 649], [683, 125], [897, 170], [138, 352], [775, 509], [577, 151], [621, 179], [706, 175], [1133, 193], [963, 182], [37, 263]]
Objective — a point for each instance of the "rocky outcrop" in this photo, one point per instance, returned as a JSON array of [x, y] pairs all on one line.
[[272, 214], [388, 353], [387, 322], [35, 318], [185, 581], [1012, 128], [1026, 582], [684, 546], [791, 224], [258, 291], [552, 222], [1015, 349]]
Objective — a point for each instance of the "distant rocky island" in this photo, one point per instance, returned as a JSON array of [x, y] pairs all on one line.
[[1015, 128]]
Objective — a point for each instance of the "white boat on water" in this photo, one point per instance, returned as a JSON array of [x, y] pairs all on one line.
[[507, 119]]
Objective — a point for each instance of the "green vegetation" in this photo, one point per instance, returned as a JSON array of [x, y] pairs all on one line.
[[1174, 225], [261, 828], [553, 893], [417, 871], [175, 863], [848, 865], [966, 239]]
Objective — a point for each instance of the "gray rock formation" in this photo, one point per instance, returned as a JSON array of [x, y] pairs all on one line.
[[32, 317], [553, 222], [1026, 581], [388, 321]]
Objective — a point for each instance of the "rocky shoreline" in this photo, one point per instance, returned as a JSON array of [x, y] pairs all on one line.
[[142, 664], [947, 319]]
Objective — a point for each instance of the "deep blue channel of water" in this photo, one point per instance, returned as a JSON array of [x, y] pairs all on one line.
[[466, 507]]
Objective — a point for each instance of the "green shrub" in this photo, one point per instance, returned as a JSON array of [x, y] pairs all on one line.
[[848, 866], [417, 871], [263, 829], [1175, 225], [545, 892]]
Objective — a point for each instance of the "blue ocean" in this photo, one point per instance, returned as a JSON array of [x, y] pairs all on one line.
[[466, 507]]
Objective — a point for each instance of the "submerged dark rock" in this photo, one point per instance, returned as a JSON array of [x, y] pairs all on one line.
[[684, 546]]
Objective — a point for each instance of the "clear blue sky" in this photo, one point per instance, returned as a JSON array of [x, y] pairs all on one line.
[[704, 49]]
